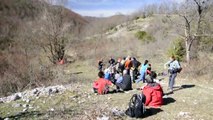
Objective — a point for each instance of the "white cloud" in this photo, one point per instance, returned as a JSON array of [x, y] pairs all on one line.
[[103, 13], [178, 1]]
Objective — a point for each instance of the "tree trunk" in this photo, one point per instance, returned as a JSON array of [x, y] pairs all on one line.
[[187, 52], [188, 56]]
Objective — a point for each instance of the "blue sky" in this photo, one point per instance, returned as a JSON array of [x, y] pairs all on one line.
[[105, 8]]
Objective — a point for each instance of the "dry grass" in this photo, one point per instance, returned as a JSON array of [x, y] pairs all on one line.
[[90, 106], [200, 69]]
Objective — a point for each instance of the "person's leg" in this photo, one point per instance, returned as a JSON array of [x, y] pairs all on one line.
[[172, 80], [140, 78], [143, 77], [118, 85], [132, 75], [169, 84], [95, 90]]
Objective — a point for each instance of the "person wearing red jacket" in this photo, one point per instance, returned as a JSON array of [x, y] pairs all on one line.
[[153, 92], [101, 86]]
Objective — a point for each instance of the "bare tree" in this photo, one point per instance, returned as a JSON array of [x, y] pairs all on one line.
[[55, 32], [193, 16]]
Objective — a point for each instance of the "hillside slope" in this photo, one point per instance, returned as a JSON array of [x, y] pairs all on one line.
[[24, 70], [25, 26], [79, 101]]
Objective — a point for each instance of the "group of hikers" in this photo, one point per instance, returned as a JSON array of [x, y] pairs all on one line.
[[123, 72]]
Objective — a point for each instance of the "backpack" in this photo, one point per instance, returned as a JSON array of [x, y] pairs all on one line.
[[136, 106], [179, 69], [176, 70]]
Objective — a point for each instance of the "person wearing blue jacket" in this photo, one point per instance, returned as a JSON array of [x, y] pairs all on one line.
[[143, 72]]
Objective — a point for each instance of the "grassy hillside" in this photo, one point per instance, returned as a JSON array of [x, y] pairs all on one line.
[[29, 29], [79, 101]]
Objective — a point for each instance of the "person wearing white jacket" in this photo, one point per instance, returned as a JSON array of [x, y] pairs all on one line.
[[173, 67]]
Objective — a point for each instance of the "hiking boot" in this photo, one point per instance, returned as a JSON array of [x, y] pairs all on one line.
[[170, 91]]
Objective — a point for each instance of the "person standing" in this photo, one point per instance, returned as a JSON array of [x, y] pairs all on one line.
[[134, 69], [143, 72], [173, 67], [100, 65]]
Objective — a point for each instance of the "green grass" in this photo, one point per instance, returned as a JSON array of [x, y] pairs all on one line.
[[144, 36], [81, 103]]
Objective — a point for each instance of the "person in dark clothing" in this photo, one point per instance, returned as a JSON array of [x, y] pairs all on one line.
[[111, 61], [100, 65], [134, 69], [135, 62], [126, 83]]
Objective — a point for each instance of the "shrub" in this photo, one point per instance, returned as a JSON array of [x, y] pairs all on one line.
[[177, 49], [206, 44], [136, 18], [144, 37], [113, 29]]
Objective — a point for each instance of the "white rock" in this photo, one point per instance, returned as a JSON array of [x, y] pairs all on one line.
[[181, 114], [31, 107], [15, 97], [6, 119], [52, 109], [103, 118], [35, 91], [25, 105], [117, 112], [55, 90], [28, 100], [1, 100], [17, 105], [24, 110]]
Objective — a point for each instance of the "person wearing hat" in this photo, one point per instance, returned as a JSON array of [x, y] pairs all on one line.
[[153, 91]]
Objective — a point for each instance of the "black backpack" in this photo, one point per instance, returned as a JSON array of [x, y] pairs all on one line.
[[136, 106]]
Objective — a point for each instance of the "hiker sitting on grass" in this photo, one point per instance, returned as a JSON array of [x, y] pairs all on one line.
[[101, 86], [124, 82], [117, 77], [107, 74], [153, 91]]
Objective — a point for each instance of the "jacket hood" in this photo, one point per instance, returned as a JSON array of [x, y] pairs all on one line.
[[155, 86]]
